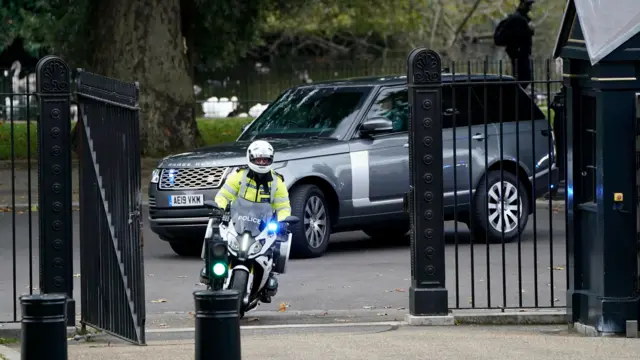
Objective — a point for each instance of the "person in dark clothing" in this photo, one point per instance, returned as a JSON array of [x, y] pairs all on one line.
[[517, 36]]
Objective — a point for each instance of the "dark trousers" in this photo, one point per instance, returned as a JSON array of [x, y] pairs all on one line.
[[522, 69]]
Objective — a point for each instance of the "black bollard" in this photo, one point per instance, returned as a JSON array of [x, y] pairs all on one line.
[[217, 324], [44, 327]]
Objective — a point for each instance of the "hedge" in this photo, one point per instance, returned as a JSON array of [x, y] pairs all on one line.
[[213, 131]]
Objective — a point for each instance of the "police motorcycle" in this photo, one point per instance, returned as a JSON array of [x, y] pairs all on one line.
[[249, 245]]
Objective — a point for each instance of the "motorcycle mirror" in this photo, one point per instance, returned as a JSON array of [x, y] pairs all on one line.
[[291, 220]]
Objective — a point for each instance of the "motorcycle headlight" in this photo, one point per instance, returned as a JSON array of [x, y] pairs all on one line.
[[233, 242], [255, 248]]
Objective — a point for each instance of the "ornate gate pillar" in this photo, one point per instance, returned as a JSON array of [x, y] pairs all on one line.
[[54, 175], [428, 293]]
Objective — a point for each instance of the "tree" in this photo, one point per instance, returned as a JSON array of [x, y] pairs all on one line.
[[158, 43], [154, 42], [376, 27], [10, 23]]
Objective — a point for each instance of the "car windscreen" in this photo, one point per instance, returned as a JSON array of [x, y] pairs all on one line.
[[308, 111]]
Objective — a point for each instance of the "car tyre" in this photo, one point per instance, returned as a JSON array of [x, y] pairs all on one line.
[[310, 236], [488, 220], [187, 248]]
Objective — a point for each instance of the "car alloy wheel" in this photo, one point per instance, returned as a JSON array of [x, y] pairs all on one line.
[[315, 221], [504, 206]]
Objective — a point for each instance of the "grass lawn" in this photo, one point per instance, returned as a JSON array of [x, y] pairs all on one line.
[[22, 137]]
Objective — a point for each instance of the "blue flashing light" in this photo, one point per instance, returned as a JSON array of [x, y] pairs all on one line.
[[272, 226], [172, 176]]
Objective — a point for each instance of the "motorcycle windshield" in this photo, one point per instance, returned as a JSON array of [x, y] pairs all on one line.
[[250, 217]]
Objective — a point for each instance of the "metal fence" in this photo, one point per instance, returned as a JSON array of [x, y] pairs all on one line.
[[17, 87], [515, 255], [254, 85], [111, 258], [523, 150], [18, 199], [247, 85], [500, 178]]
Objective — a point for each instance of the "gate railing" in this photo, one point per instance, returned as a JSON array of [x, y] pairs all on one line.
[[18, 195], [111, 258], [505, 245]]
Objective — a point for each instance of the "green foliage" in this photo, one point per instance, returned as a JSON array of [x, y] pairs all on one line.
[[63, 27], [217, 32], [329, 17], [8, 341], [55, 26], [10, 22], [213, 131], [452, 26], [222, 31]]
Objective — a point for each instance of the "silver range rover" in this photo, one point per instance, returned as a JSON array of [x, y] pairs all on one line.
[[342, 148]]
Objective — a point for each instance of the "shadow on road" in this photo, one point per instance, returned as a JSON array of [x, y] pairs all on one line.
[[553, 231]]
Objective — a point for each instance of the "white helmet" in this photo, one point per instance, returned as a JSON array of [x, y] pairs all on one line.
[[260, 156]]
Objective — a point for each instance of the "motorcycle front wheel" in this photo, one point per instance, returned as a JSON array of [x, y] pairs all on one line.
[[239, 281]]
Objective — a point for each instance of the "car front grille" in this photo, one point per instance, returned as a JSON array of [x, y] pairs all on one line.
[[152, 201], [192, 178]]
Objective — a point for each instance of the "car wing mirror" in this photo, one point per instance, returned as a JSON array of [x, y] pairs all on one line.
[[376, 125]]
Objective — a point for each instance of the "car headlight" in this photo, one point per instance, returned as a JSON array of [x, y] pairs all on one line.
[[233, 242], [255, 248], [155, 176]]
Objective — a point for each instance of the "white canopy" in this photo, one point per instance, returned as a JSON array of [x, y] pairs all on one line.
[[607, 24]]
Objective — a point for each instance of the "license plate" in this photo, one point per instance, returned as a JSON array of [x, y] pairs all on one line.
[[186, 200]]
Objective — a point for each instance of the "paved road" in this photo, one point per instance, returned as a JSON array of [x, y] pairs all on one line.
[[448, 343], [18, 191], [355, 274], [378, 342]]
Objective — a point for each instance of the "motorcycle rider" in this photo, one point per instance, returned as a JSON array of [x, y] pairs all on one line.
[[256, 182]]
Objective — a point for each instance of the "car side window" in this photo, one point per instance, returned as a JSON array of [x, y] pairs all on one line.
[[478, 100], [512, 103], [393, 104], [463, 102]]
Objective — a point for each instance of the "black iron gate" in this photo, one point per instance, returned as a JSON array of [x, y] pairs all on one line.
[[483, 156], [111, 258]]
